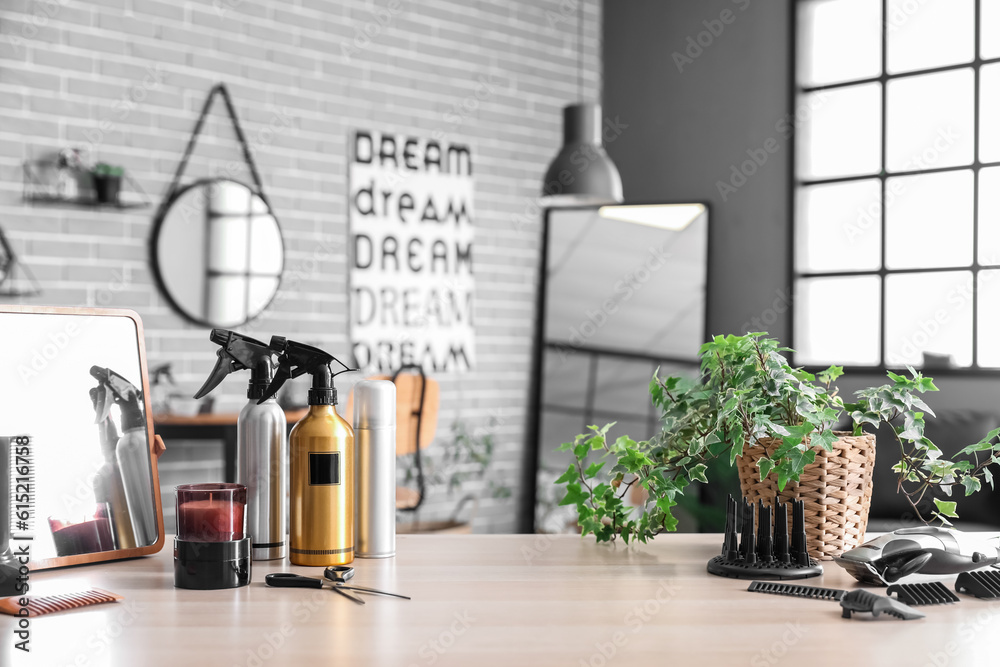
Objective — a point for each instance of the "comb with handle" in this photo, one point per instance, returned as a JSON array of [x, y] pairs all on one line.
[[863, 601], [49, 604]]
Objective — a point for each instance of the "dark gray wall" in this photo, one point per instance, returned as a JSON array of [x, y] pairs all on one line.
[[693, 112]]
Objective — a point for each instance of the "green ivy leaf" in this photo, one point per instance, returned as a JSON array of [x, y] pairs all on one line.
[[697, 473], [823, 439], [971, 484], [766, 465], [571, 475], [593, 469], [946, 507], [574, 495]]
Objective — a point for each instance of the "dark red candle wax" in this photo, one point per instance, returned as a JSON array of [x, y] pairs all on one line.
[[210, 521]]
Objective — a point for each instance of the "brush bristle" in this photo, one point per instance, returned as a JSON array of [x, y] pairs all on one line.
[[50, 604]]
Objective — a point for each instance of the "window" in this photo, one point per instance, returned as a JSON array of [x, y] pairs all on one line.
[[897, 183]]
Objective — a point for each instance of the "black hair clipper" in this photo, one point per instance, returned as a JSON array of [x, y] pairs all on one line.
[[923, 550]]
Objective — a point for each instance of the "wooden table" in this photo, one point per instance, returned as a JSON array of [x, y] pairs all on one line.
[[481, 600]]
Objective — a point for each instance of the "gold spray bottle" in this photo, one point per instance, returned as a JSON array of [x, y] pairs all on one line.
[[321, 446]]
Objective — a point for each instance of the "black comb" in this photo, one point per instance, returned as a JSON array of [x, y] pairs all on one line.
[[933, 592], [861, 600], [794, 590], [984, 584]]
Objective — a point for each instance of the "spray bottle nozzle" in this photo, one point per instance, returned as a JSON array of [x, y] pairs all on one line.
[[236, 353], [295, 359], [113, 388]]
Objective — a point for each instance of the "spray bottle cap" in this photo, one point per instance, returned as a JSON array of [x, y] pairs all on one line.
[[113, 388], [374, 404], [236, 353], [295, 359]]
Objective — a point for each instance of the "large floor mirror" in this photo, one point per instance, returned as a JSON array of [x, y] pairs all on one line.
[[623, 293]]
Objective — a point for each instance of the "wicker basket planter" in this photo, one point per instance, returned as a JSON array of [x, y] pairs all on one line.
[[836, 488]]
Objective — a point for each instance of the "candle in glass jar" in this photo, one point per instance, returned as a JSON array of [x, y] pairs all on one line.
[[210, 512]]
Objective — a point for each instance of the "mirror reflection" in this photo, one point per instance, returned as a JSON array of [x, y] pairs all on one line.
[[624, 295], [218, 253], [73, 383]]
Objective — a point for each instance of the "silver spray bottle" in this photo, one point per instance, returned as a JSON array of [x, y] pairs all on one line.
[[375, 482], [261, 442], [132, 453]]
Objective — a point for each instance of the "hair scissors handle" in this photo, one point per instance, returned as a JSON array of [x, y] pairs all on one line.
[[292, 580]]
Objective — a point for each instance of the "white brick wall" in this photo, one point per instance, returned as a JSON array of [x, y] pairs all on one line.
[[126, 78]]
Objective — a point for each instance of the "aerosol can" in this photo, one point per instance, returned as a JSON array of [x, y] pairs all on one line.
[[375, 481], [132, 450], [322, 461], [261, 443]]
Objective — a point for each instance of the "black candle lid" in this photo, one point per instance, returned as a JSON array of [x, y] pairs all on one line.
[[211, 565]]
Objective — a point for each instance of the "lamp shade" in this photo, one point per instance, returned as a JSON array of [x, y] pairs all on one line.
[[582, 173]]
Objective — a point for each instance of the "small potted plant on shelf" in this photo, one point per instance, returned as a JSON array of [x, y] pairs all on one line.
[[107, 182], [775, 423]]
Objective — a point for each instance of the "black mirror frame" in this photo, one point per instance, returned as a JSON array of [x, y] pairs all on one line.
[[154, 247]]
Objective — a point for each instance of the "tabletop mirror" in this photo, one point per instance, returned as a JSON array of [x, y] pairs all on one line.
[[74, 381], [218, 252]]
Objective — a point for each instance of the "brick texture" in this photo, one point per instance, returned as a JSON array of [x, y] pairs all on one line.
[[125, 79]]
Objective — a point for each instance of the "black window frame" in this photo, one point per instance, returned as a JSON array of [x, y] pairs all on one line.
[[796, 90]]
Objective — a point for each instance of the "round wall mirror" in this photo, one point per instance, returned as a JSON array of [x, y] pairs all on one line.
[[218, 253]]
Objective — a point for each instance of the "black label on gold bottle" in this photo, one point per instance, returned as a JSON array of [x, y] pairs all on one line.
[[324, 468]]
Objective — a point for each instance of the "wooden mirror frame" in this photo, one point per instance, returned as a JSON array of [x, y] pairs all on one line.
[[156, 446]]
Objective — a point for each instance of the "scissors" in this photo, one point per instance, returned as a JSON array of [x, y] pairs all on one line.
[[336, 575]]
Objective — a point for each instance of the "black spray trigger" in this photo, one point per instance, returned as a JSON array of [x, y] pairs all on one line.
[[295, 359], [103, 401], [113, 388], [236, 353]]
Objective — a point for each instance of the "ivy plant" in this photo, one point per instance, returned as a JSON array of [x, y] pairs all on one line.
[[922, 468], [747, 391]]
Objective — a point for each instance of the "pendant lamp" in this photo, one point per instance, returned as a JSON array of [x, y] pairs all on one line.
[[582, 173]]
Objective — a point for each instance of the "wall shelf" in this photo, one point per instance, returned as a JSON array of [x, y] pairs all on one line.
[[41, 188], [53, 200]]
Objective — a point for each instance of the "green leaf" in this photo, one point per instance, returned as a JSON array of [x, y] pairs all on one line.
[[831, 374], [988, 476], [823, 439], [571, 475], [697, 473], [574, 495], [766, 465], [664, 504], [593, 469], [946, 507], [624, 443], [782, 479], [981, 446], [971, 484]]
